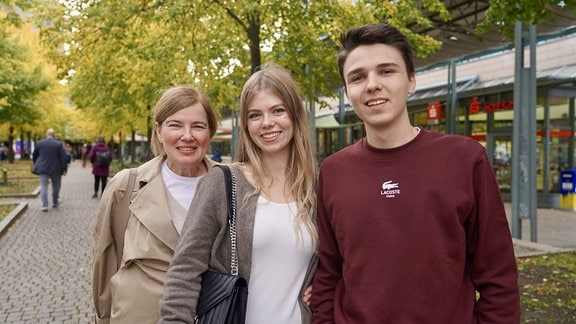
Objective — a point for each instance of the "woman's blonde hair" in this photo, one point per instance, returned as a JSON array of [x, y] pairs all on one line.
[[301, 171]]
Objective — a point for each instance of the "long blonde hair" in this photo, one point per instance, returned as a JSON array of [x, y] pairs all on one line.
[[301, 171]]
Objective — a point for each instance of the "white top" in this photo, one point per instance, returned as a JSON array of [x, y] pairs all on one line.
[[182, 190], [279, 263]]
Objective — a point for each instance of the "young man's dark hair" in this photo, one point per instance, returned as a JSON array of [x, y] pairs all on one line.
[[374, 34]]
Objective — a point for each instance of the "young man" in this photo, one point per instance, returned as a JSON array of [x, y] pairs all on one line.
[[411, 223]]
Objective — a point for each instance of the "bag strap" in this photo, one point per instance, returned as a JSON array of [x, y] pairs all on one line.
[[120, 221], [230, 180]]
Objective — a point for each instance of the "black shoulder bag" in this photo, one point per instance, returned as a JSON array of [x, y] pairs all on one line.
[[223, 296]]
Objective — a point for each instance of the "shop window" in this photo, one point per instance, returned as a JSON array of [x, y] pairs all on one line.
[[560, 138]]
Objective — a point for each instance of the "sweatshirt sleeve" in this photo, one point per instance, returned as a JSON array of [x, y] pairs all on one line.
[[493, 267], [329, 271]]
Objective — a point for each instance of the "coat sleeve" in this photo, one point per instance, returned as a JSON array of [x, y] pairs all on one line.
[[104, 262], [36, 152], [92, 154], [63, 159]]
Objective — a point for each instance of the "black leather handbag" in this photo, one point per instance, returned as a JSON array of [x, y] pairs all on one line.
[[223, 296]]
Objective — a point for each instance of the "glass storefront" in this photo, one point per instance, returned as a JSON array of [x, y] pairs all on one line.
[[488, 118], [330, 139]]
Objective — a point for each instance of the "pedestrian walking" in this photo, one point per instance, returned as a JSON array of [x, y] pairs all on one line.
[[50, 162], [100, 158], [84, 154]]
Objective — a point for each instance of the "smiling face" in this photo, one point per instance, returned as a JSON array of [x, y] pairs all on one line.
[[377, 85], [269, 124], [185, 136]]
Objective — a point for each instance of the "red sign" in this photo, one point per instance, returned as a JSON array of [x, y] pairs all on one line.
[[475, 105], [434, 111]]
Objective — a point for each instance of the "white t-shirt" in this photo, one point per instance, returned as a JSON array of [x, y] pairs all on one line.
[[279, 263], [182, 190]]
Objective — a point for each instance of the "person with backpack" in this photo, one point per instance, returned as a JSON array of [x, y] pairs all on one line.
[[100, 157]]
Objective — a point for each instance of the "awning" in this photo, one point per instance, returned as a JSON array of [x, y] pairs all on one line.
[[222, 138], [459, 39], [327, 121], [466, 89]]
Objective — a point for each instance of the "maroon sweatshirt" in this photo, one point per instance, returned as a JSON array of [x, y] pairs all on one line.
[[408, 235]]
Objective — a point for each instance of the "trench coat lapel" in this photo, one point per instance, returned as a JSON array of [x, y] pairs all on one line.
[[157, 219]]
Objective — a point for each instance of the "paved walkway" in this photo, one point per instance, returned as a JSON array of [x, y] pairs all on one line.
[[555, 232], [45, 258]]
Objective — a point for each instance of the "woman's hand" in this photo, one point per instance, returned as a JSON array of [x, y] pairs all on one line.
[[307, 295]]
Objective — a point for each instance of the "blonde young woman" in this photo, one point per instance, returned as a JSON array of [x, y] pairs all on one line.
[[276, 233], [184, 123]]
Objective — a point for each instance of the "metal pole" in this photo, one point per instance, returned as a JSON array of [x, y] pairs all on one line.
[[312, 120], [234, 141], [532, 92], [341, 119], [451, 99], [524, 135]]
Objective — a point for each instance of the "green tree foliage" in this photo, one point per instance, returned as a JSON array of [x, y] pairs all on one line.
[[502, 15], [21, 80], [117, 55], [31, 97], [123, 52], [116, 59]]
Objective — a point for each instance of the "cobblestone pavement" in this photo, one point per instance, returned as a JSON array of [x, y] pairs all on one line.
[[45, 257]]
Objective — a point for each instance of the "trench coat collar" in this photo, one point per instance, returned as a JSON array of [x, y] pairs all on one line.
[[157, 219], [152, 192]]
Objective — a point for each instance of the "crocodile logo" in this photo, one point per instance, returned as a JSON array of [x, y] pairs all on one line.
[[390, 189], [389, 185]]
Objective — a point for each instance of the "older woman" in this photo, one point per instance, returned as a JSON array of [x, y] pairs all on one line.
[[184, 123]]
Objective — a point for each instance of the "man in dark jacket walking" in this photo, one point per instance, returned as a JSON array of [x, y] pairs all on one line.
[[50, 163]]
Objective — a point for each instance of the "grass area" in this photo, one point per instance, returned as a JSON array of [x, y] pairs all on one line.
[[5, 210], [20, 181], [20, 178], [547, 282], [18, 169], [548, 287], [20, 186]]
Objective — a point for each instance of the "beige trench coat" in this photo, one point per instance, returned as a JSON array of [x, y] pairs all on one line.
[[132, 294]]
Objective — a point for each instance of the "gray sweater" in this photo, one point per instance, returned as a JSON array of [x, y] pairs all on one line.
[[205, 243]]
